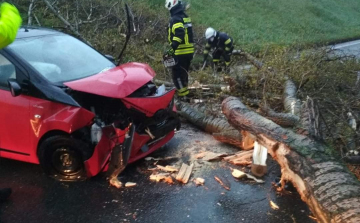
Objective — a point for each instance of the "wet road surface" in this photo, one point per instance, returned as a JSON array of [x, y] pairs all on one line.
[[38, 198]]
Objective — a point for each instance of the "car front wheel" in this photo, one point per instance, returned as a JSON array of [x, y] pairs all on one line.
[[62, 158]]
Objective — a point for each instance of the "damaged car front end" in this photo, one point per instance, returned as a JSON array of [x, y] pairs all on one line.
[[149, 109], [80, 105]]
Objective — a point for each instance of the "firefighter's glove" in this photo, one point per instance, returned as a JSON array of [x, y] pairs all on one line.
[[170, 52]]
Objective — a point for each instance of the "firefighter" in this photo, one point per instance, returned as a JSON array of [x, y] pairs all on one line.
[[10, 22], [180, 36], [222, 44]]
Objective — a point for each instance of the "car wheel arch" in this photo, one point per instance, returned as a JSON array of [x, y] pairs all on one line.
[[48, 135]]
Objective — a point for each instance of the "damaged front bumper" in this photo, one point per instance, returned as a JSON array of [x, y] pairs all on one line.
[[154, 131]]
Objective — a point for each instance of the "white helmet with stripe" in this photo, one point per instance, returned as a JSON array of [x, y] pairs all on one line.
[[210, 34], [169, 4]]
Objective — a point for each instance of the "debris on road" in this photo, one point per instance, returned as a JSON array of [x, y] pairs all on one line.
[[239, 175], [199, 181], [162, 176], [242, 158], [130, 184], [167, 168], [149, 158], [210, 156], [223, 182], [273, 205], [184, 173], [115, 183]]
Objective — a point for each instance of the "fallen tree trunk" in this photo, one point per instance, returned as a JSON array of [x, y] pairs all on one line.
[[324, 183], [218, 127], [282, 119]]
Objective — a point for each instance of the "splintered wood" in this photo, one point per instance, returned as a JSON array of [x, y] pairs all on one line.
[[167, 168], [184, 173], [241, 158], [223, 182], [209, 156], [162, 177], [130, 184], [239, 175], [199, 181]]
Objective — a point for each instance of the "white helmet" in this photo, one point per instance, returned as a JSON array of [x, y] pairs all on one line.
[[210, 34], [169, 4]]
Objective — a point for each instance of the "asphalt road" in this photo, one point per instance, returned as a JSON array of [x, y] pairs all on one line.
[[38, 198]]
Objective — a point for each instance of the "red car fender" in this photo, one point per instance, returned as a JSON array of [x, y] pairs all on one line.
[[48, 116]]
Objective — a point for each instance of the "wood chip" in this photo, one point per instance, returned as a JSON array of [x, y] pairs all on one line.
[[223, 182], [184, 173], [274, 206], [242, 158], [130, 184], [238, 174], [199, 181], [159, 177], [210, 156], [187, 174], [167, 168], [255, 179]]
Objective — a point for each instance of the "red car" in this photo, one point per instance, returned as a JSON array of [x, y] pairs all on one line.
[[65, 106]]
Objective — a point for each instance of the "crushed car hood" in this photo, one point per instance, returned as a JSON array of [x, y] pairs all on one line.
[[117, 82]]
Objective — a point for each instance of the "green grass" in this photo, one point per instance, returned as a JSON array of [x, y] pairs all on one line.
[[256, 24]]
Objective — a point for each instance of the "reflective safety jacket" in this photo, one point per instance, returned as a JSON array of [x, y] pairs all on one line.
[[10, 22], [221, 42], [180, 33]]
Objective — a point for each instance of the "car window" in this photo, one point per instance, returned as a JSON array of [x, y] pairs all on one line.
[[60, 58], [7, 70]]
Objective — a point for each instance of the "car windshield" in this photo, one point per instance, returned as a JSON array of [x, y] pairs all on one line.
[[61, 58]]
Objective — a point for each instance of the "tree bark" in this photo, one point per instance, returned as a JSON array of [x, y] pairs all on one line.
[[282, 119], [324, 183], [31, 6], [218, 127]]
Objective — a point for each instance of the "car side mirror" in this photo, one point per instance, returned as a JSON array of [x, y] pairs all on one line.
[[111, 58], [15, 87]]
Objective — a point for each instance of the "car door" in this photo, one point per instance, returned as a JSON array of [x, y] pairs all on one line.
[[14, 115]]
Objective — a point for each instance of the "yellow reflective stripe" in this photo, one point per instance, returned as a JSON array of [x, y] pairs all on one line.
[[181, 46], [216, 60], [187, 20], [184, 51], [227, 63], [228, 41], [169, 36], [227, 48], [177, 39], [186, 37], [177, 25], [206, 51]]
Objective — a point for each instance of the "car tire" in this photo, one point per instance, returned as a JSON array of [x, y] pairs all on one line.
[[62, 158]]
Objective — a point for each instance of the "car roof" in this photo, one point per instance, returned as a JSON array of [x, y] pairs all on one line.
[[28, 31]]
